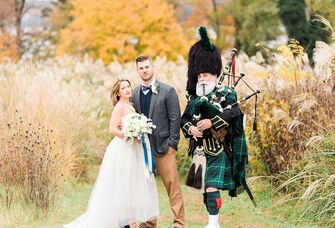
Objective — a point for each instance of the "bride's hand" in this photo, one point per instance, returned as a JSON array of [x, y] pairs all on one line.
[[137, 140]]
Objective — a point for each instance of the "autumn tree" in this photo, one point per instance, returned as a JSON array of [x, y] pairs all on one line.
[[11, 13], [17, 41], [5, 40], [122, 30], [207, 13], [7, 47], [60, 15], [18, 14], [236, 23]]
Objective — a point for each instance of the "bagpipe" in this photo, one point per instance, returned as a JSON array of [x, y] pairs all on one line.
[[220, 100]]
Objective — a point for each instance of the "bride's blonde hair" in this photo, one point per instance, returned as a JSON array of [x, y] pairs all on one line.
[[116, 89]]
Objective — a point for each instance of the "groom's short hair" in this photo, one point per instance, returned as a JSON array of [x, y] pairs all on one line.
[[142, 58]]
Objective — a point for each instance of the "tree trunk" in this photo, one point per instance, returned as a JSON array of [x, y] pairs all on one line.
[[216, 23], [18, 6]]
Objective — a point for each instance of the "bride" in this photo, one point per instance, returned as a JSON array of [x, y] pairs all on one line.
[[122, 195]]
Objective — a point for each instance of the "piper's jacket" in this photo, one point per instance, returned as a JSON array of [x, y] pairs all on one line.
[[228, 119]]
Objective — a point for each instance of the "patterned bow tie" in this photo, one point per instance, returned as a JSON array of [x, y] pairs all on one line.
[[145, 88]]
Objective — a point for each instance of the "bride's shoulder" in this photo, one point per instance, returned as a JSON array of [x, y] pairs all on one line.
[[124, 107], [118, 107]]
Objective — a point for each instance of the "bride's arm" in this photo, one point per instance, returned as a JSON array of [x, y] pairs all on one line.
[[115, 121]]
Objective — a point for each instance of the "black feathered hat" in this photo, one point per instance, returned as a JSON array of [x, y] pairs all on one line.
[[203, 57]]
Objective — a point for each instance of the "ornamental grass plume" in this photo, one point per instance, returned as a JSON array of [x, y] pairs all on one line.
[[311, 182], [69, 97], [44, 125], [298, 145]]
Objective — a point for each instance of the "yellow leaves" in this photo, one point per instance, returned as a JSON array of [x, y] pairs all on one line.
[[7, 47], [274, 115], [296, 48], [200, 12], [122, 30], [293, 52], [291, 65], [285, 51], [264, 74]]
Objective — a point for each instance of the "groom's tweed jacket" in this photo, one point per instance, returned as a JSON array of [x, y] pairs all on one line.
[[165, 114]]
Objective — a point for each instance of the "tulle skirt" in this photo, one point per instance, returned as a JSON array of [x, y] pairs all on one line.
[[122, 193]]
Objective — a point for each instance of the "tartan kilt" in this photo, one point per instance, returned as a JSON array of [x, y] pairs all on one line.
[[240, 158], [219, 172], [219, 168]]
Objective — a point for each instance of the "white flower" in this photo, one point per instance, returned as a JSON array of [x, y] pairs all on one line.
[[155, 88], [136, 126]]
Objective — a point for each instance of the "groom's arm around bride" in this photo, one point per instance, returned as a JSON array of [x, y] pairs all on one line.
[[159, 102]]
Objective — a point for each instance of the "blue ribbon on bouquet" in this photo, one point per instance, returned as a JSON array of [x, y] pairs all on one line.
[[148, 155]]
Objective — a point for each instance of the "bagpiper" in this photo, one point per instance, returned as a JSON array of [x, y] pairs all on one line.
[[213, 123]]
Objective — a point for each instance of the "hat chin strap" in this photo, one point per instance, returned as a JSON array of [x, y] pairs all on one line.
[[203, 89]]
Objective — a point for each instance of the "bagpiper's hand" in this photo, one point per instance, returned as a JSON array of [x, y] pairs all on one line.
[[195, 132], [204, 124]]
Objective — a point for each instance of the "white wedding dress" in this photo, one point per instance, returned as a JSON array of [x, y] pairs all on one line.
[[121, 194]]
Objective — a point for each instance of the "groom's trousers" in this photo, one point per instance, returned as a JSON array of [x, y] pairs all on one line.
[[166, 167]]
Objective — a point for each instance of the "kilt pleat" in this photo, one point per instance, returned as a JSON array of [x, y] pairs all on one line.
[[219, 168]]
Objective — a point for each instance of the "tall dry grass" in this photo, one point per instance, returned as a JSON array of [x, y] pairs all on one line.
[[295, 142], [54, 120], [44, 123], [290, 110], [54, 115], [286, 119], [311, 182]]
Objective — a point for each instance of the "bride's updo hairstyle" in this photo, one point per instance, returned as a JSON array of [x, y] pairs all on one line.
[[116, 88]]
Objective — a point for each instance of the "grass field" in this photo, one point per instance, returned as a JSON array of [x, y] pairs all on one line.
[[237, 212]]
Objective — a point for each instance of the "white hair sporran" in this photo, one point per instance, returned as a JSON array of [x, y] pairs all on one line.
[[196, 174]]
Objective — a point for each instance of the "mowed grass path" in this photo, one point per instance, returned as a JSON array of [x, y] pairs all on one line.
[[236, 212]]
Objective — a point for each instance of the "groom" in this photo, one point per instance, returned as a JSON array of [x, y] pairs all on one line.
[[159, 102]]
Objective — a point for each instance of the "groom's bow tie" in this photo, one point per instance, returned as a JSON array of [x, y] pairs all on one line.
[[145, 88]]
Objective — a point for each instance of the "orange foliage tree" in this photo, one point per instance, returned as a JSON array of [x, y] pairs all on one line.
[[8, 43], [121, 30], [7, 47], [207, 13]]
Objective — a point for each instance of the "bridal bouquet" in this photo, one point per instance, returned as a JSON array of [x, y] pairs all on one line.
[[137, 125]]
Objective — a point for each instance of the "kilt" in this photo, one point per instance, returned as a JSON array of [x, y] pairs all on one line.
[[219, 171], [240, 158]]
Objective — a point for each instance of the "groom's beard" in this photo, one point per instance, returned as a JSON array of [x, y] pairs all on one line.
[[209, 87]]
